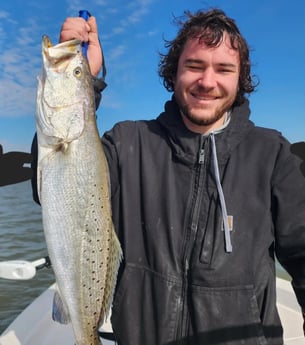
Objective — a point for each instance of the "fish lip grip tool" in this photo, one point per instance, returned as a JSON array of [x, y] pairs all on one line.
[[86, 15]]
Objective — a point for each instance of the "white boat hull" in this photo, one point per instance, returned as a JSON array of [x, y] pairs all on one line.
[[34, 326]]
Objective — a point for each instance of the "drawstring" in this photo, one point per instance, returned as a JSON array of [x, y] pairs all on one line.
[[221, 197]]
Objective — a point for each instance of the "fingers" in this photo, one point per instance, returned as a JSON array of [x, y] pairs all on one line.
[[78, 28], [93, 25], [75, 27], [86, 31], [93, 33]]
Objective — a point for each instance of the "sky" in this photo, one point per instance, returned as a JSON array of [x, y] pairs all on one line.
[[132, 34]]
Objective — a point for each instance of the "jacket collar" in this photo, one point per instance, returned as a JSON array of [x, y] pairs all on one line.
[[186, 144]]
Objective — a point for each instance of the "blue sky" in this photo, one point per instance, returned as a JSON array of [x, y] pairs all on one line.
[[132, 34]]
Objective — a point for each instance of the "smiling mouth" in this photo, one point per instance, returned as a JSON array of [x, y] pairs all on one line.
[[204, 97]]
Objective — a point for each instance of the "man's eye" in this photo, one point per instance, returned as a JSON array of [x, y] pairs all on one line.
[[194, 67], [226, 70]]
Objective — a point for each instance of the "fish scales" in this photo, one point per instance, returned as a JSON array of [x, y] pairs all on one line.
[[73, 187]]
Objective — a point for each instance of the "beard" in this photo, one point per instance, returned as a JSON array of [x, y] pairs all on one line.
[[201, 115], [188, 112]]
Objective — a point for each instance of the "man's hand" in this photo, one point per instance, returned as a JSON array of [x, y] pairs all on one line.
[[86, 31], [12, 169]]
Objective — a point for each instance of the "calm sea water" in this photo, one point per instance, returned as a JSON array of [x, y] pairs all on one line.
[[22, 238]]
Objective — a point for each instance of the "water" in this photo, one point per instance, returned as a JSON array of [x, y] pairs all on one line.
[[22, 238]]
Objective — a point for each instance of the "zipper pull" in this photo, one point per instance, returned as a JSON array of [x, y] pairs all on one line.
[[186, 267], [201, 156]]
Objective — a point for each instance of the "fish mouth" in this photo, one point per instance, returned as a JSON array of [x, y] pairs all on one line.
[[55, 55]]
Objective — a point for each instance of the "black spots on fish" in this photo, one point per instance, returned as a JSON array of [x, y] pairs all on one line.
[[94, 335], [87, 228]]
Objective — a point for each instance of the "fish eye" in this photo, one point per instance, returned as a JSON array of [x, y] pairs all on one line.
[[77, 72]]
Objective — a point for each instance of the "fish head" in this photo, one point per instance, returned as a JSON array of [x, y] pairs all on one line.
[[64, 92]]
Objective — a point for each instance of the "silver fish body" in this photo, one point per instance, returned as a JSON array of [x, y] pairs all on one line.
[[73, 187]]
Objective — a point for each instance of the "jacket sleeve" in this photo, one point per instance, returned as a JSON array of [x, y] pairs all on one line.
[[99, 85], [299, 150], [111, 141], [288, 210]]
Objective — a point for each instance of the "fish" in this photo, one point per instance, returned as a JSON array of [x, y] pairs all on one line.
[[73, 186]]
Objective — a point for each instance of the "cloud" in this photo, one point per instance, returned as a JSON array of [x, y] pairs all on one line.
[[19, 66], [15, 99], [116, 52], [133, 13], [20, 58], [140, 9], [73, 6], [4, 15]]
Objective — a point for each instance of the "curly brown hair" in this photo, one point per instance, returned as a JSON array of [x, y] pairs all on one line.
[[208, 27]]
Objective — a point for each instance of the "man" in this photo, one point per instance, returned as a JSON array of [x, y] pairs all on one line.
[[202, 199]]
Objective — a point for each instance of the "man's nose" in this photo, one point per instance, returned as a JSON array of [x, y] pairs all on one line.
[[207, 79]]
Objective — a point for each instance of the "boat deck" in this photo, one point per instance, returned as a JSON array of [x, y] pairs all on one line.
[[290, 314]]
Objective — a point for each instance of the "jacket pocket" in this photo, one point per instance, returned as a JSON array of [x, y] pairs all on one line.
[[145, 307], [225, 316]]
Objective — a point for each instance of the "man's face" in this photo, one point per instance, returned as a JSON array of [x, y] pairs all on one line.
[[206, 83]]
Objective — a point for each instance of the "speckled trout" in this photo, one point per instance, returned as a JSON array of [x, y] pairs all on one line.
[[73, 188]]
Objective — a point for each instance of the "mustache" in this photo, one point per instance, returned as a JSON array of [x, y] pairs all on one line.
[[205, 92]]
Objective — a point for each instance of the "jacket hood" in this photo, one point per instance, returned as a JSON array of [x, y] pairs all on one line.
[[186, 144]]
